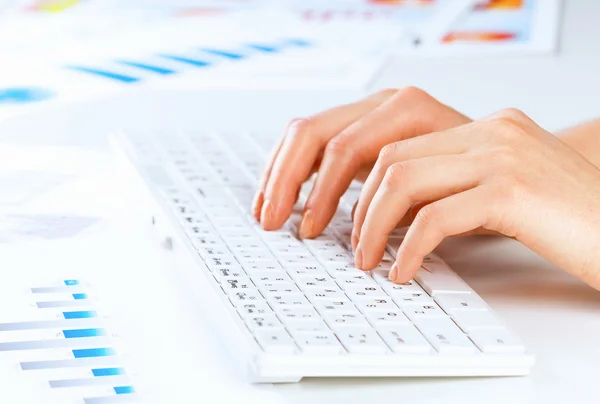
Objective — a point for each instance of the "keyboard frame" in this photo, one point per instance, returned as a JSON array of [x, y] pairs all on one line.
[[262, 367]]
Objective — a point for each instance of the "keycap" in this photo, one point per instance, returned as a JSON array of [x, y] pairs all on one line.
[[239, 297], [435, 277], [321, 342], [446, 338], [404, 338], [361, 340], [256, 308], [413, 299], [497, 341], [387, 318], [256, 322], [420, 311], [316, 294], [344, 319], [374, 304], [275, 341], [470, 320], [460, 301]]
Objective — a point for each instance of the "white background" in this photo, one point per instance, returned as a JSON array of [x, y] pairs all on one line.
[[557, 316]]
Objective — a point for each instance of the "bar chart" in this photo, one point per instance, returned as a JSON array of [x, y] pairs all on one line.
[[63, 346]]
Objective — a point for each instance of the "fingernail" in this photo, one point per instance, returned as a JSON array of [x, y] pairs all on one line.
[[358, 258], [354, 240], [257, 204], [306, 225], [393, 272], [266, 213]]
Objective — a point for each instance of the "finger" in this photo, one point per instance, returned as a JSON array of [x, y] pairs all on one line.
[[259, 197], [429, 178], [457, 214], [400, 116], [301, 147], [453, 141]]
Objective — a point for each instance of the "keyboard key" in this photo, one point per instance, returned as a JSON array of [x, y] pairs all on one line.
[[347, 281], [361, 340], [406, 300], [447, 339], [436, 277], [316, 294], [256, 322], [404, 338], [321, 342], [279, 288], [460, 301], [257, 308], [374, 304], [497, 340], [236, 283], [275, 341], [343, 319], [470, 320], [239, 297], [417, 312], [364, 291], [389, 318]]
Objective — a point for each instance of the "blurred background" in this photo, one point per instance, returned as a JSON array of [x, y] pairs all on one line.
[[73, 66]]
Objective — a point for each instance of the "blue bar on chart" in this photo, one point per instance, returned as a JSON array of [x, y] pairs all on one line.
[[69, 315], [122, 78], [93, 352], [263, 48], [71, 282], [124, 390], [101, 372], [186, 60], [148, 67], [85, 333], [80, 296], [222, 53]]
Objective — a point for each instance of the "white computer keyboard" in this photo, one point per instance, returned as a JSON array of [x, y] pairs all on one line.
[[300, 308]]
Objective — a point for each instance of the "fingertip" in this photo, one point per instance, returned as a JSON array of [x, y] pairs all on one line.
[[257, 205], [354, 239], [405, 270], [266, 215], [305, 230]]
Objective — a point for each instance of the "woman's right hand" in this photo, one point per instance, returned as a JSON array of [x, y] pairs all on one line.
[[341, 144]]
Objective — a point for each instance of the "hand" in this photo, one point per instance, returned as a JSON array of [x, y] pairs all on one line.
[[504, 174], [341, 144]]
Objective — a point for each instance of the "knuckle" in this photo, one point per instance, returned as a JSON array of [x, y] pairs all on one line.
[[340, 146], [514, 114], [388, 152], [300, 127], [385, 93], [395, 174], [413, 93], [428, 216], [508, 129]]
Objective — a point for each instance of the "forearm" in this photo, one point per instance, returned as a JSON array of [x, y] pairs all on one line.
[[584, 138]]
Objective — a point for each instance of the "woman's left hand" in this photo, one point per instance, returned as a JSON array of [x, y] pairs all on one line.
[[504, 174]]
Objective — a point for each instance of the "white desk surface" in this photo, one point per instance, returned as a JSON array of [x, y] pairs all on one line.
[[556, 315]]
